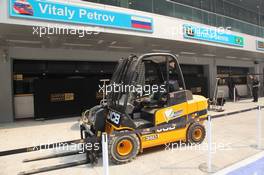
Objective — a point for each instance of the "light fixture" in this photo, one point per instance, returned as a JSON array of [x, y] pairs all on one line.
[[160, 50], [113, 43], [171, 1], [24, 41], [120, 47], [77, 44], [100, 41], [209, 55], [188, 53], [5, 56], [231, 57], [246, 59]]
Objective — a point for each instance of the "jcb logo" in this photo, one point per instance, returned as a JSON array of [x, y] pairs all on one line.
[[166, 129], [114, 117]]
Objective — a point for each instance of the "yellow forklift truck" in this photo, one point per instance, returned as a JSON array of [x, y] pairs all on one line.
[[147, 105], [137, 117]]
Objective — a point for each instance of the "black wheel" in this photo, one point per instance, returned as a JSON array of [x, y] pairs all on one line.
[[196, 133], [123, 149]]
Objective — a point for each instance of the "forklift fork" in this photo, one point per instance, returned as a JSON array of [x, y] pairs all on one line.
[[90, 158]]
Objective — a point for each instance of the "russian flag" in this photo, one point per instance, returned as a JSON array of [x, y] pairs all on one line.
[[141, 23]]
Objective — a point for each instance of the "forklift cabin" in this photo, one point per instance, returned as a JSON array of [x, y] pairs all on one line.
[[159, 70]]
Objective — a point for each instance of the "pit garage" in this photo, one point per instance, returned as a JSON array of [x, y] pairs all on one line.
[[195, 79], [238, 76], [52, 89]]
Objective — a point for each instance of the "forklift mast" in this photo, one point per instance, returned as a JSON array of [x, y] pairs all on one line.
[[126, 73]]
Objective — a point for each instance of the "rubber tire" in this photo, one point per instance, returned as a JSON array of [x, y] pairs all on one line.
[[118, 159], [191, 129]]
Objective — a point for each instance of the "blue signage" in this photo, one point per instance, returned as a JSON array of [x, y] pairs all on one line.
[[62, 12], [260, 45], [211, 35]]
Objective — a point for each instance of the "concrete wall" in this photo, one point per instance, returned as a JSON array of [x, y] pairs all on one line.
[[6, 97], [65, 54]]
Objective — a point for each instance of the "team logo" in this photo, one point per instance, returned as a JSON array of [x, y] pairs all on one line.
[[189, 31], [260, 45], [239, 40], [170, 114], [23, 7]]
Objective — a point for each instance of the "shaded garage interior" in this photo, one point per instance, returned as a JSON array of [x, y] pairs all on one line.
[[234, 75], [52, 89], [195, 79]]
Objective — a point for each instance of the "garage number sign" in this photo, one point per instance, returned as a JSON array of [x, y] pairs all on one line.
[[212, 35], [64, 12], [260, 45]]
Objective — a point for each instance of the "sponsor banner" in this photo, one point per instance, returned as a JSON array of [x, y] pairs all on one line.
[[61, 97], [260, 45], [64, 12], [212, 35]]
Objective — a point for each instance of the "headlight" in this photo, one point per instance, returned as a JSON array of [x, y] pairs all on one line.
[[84, 118], [88, 116], [91, 117]]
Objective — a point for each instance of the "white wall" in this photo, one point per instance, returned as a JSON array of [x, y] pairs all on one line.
[[65, 54], [6, 89]]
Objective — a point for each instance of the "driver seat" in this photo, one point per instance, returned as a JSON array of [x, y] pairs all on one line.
[[142, 123], [154, 100]]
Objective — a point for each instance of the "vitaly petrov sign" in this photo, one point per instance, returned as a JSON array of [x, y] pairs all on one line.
[[65, 12]]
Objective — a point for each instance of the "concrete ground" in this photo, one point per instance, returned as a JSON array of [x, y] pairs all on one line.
[[233, 137]]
